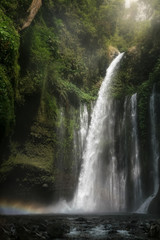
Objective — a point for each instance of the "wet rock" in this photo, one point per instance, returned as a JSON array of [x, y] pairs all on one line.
[[12, 229], [81, 219], [154, 207], [154, 231], [40, 236], [42, 227], [112, 231], [147, 226], [48, 227], [134, 221], [142, 227], [24, 233], [4, 234], [57, 230]]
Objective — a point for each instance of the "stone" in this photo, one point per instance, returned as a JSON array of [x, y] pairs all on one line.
[[154, 231], [57, 229], [4, 234], [25, 234]]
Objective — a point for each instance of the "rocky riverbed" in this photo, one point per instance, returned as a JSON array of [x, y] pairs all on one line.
[[48, 227]]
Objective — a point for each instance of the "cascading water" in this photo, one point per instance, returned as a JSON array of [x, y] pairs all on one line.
[[154, 142], [110, 171], [110, 176], [80, 137], [89, 191], [135, 159], [154, 153], [84, 123]]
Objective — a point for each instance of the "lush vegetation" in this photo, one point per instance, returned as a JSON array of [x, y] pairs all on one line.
[[9, 68], [57, 62], [63, 53], [139, 70]]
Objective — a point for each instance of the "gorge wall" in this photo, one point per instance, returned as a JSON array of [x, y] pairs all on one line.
[[128, 165], [50, 74]]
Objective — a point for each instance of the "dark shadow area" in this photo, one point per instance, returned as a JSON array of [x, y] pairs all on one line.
[[25, 116]]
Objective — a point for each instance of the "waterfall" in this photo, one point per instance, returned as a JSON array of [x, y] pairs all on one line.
[[154, 154], [89, 191], [106, 153], [135, 159], [84, 123], [61, 131], [111, 161], [80, 136], [154, 142]]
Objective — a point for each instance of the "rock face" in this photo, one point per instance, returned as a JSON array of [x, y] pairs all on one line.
[[154, 207], [113, 52], [40, 164]]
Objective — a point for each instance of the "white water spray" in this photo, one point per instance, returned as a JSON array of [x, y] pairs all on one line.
[[154, 142], [135, 159], [155, 155], [84, 124], [88, 194]]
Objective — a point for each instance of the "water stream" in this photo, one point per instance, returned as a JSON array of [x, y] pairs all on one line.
[[110, 172], [154, 154], [106, 156], [91, 188], [135, 158], [154, 142]]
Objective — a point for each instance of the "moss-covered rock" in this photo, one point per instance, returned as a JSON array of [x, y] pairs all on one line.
[[7, 116], [9, 68], [26, 183]]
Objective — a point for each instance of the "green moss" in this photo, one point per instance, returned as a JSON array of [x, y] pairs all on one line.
[[66, 123], [9, 69], [144, 92], [51, 106], [76, 94], [7, 116], [37, 158], [16, 10], [9, 45], [155, 75]]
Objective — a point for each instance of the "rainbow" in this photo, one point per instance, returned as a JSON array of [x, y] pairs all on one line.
[[19, 208]]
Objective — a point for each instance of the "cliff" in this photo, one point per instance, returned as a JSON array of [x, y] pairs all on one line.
[[49, 69]]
